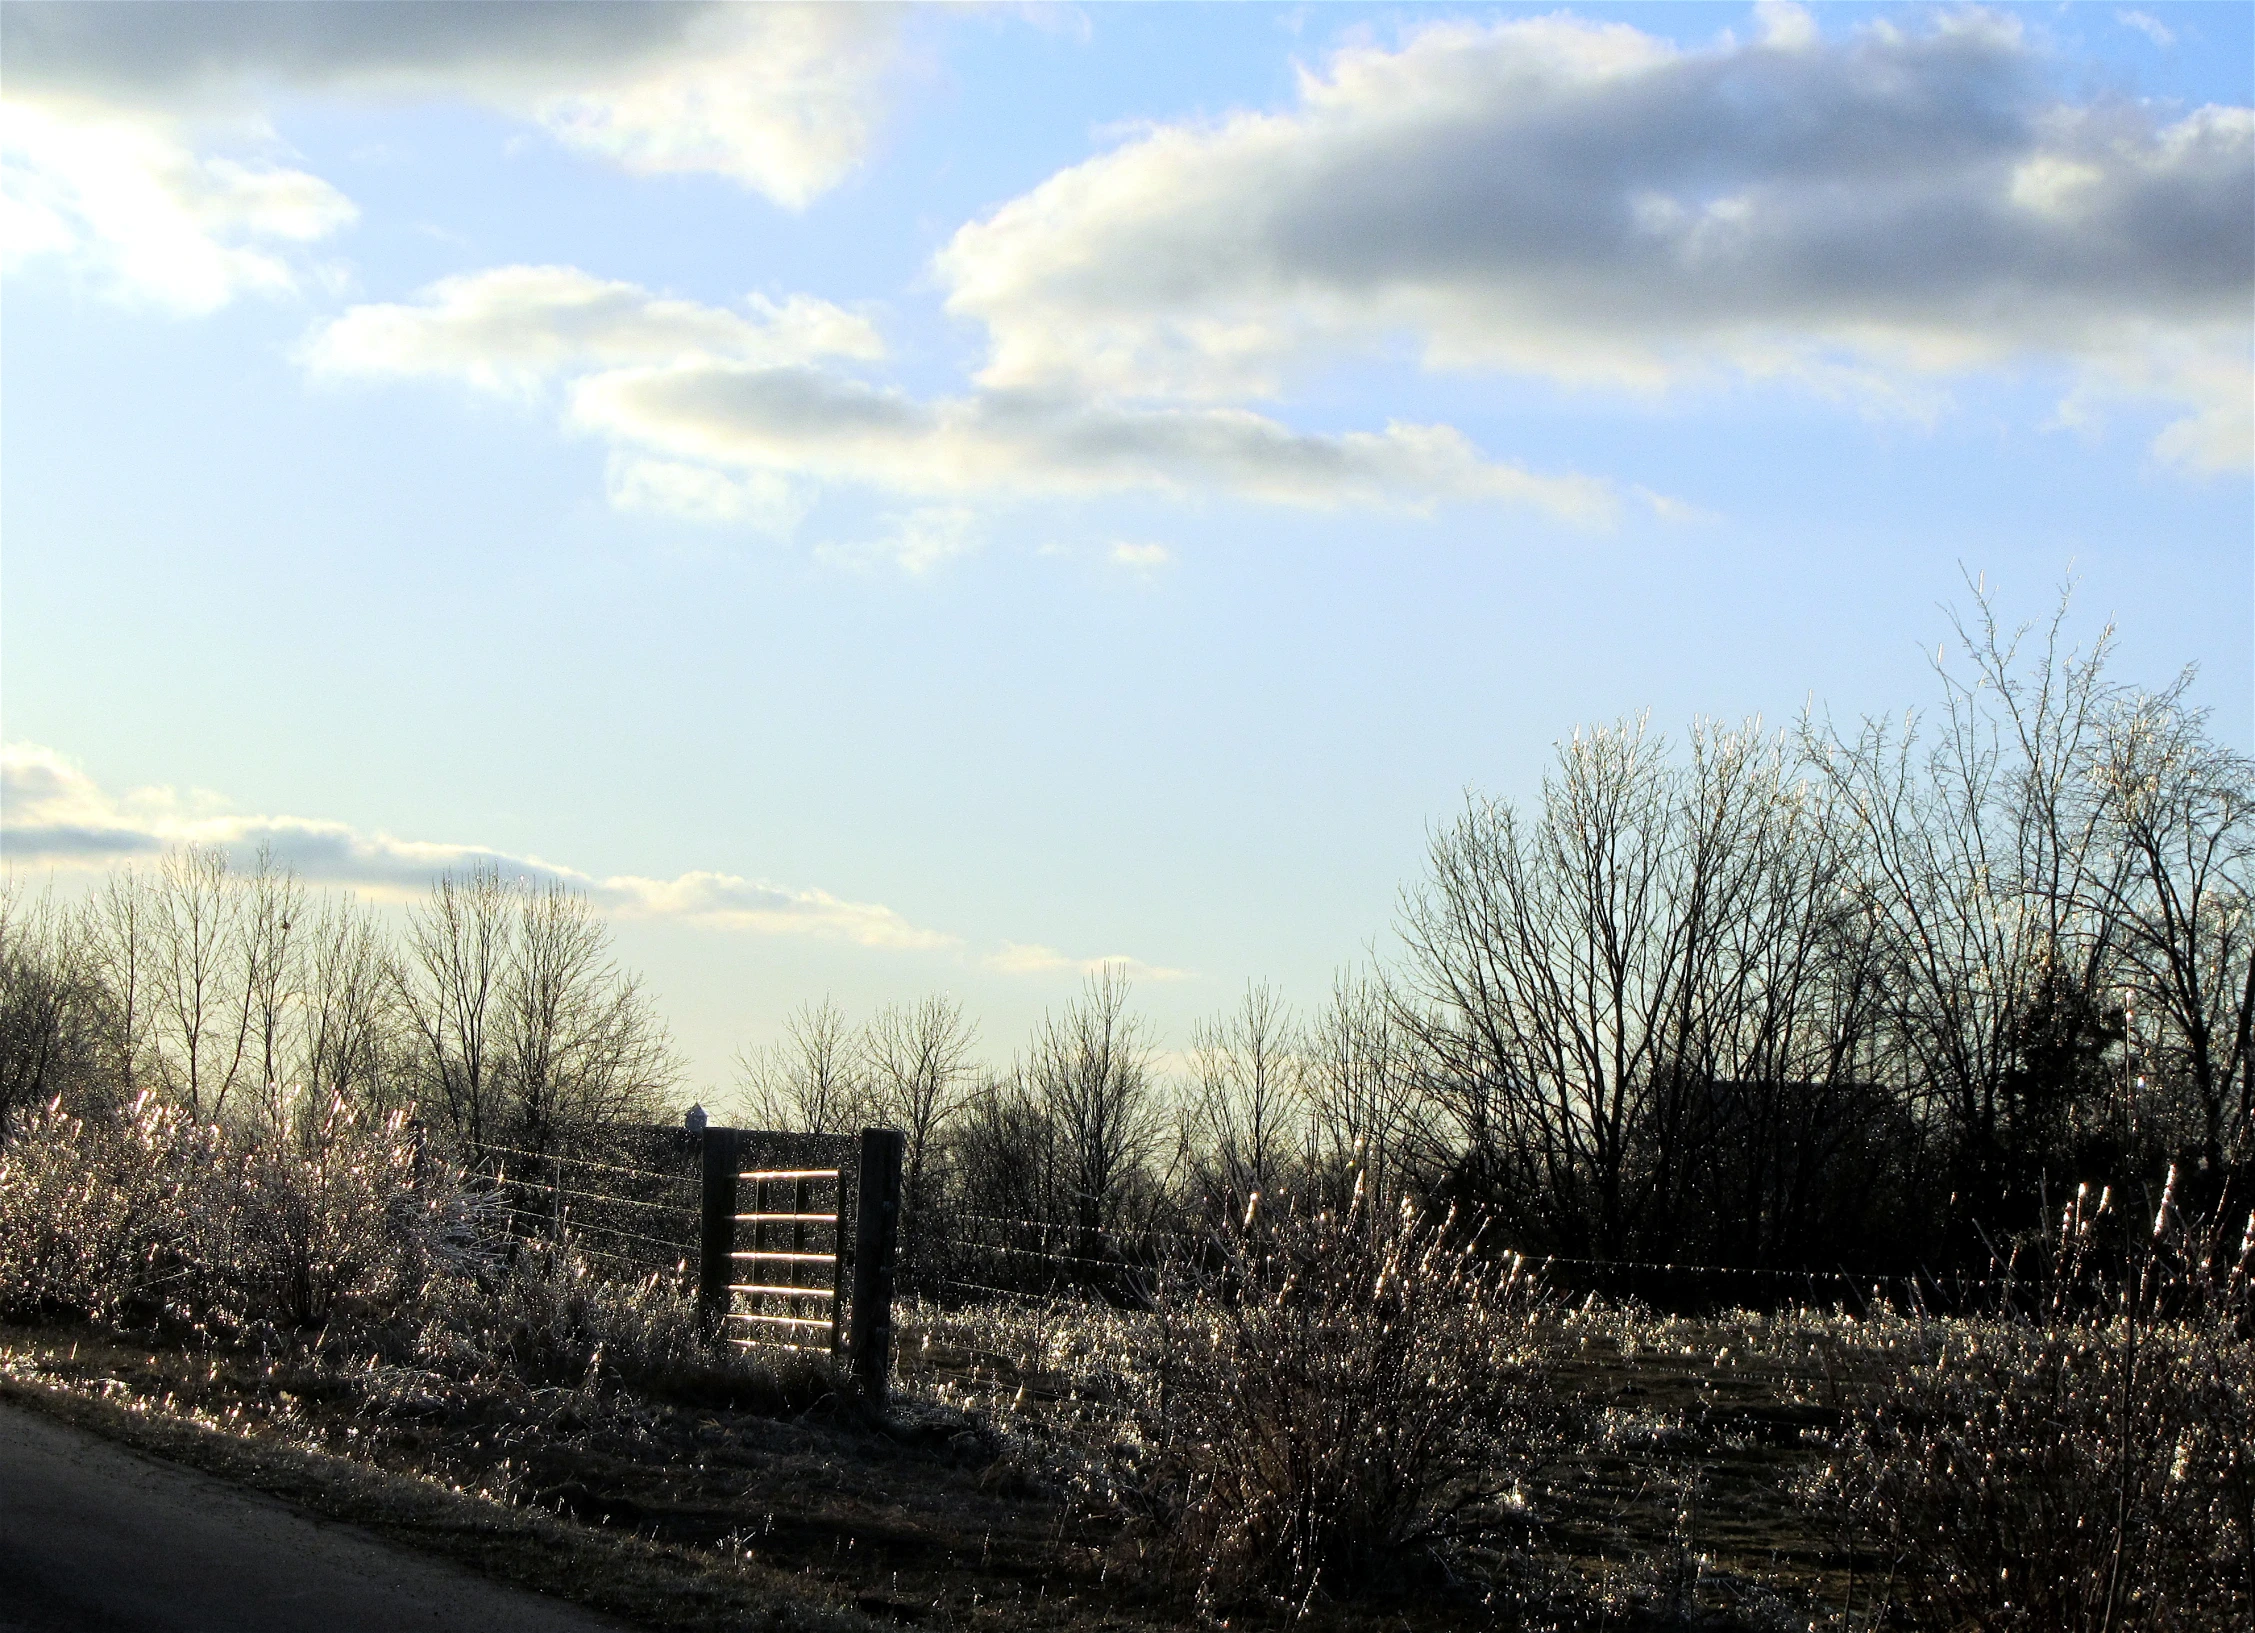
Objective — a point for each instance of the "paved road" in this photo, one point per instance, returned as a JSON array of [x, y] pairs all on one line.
[[98, 1539]]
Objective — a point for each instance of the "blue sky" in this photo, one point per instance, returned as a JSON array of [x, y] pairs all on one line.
[[904, 501]]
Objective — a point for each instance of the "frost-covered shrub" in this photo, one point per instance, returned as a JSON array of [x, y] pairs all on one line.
[[2089, 1478], [546, 1321], [337, 1226], [153, 1217], [1336, 1397], [108, 1220], [2090, 1465], [330, 1211], [541, 1318]]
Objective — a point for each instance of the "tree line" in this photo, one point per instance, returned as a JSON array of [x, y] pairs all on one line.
[[1850, 995], [498, 1015], [1838, 993]]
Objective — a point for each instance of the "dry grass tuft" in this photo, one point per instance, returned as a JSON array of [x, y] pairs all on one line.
[[2085, 1467], [1338, 1401]]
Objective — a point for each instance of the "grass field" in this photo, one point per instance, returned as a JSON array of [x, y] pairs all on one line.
[[1315, 1416], [1670, 1491]]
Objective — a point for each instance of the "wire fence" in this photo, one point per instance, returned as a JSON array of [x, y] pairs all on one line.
[[1017, 1314], [629, 1202], [626, 1199], [757, 1229], [948, 1254], [960, 1257]]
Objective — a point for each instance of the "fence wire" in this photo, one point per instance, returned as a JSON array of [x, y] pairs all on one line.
[[568, 1160], [947, 1258], [620, 1215], [645, 1219]]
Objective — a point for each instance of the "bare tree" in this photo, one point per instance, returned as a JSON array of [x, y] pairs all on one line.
[[579, 1044], [272, 904], [917, 1059], [2179, 815], [1797, 1127], [1978, 852], [348, 1018], [1004, 1158], [1250, 1106], [522, 1021], [1580, 981], [459, 945], [51, 1031], [203, 1006], [1358, 1087], [118, 932], [1539, 986], [1089, 1070], [810, 1081]]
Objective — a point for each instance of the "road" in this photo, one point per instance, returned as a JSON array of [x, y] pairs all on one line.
[[98, 1539]]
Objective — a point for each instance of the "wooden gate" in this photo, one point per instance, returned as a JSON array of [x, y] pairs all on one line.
[[797, 1241]]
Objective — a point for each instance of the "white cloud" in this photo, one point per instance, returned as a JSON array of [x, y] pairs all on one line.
[[725, 901], [1590, 203], [784, 99], [688, 392], [779, 98], [125, 127], [835, 428], [512, 329], [515, 330], [759, 500], [2160, 33], [916, 543], [1785, 26], [1029, 958], [1676, 512], [141, 217], [1140, 558], [53, 815]]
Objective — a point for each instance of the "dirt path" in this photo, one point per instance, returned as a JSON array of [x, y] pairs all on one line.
[[95, 1538]]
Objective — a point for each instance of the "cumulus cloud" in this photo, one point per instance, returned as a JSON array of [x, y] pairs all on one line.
[[1590, 203], [1028, 958], [515, 328], [702, 401], [134, 148], [52, 814], [834, 427], [142, 217], [783, 99]]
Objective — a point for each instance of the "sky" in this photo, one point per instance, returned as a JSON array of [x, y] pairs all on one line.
[[906, 501]]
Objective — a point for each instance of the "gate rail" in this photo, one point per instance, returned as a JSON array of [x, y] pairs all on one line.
[[787, 1303]]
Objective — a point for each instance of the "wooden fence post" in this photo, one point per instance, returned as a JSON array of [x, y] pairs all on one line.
[[716, 1228], [876, 1240]]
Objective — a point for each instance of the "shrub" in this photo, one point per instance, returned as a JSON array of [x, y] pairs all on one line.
[[545, 1321], [2087, 1466], [332, 1212], [335, 1225], [107, 1220], [153, 1218], [1336, 1398]]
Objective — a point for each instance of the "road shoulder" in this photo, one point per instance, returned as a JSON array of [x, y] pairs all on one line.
[[649, 1584]]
